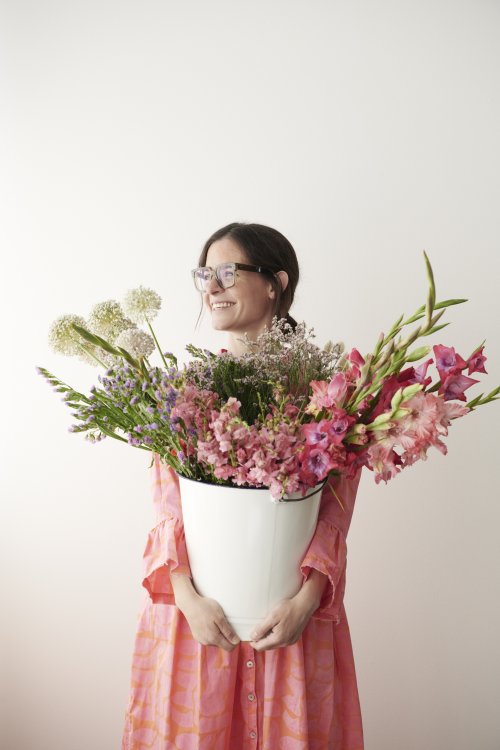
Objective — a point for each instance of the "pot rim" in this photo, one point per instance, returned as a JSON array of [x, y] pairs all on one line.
[[314, 489]]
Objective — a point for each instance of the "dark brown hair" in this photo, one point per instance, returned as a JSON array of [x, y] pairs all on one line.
[[263, 246]]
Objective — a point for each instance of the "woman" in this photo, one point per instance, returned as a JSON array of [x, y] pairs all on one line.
[[195, 686]]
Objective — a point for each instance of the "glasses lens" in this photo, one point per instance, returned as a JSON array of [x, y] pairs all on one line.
[[225, 273], [201, 278]]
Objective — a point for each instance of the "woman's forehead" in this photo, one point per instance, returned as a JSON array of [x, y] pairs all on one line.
[[224, 250]]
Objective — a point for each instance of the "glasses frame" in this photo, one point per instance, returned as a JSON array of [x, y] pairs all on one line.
[[236, 266]]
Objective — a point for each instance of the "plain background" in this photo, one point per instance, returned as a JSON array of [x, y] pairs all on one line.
[[365, 132]]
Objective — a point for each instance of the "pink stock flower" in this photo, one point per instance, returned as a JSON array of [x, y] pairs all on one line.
[[193, 405]]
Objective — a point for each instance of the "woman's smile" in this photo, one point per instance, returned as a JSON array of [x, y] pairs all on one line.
[[222, 305]]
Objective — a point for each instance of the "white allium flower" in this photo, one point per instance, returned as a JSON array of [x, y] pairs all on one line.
[[63, 338], [136, 342], [141, 304], [107, 319]]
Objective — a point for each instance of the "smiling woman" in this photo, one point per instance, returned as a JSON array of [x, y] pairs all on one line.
[[261, 285], [195, 685]]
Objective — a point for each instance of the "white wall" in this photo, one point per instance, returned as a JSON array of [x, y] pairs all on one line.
[[365, 132]]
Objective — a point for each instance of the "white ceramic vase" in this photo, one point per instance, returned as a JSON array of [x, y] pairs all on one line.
[[244, 549]]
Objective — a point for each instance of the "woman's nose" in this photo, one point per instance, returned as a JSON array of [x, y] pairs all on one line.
[[213, 285]]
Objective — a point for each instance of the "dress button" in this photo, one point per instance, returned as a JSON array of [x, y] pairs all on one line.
[[249, 663], [253, 735], [251, 697]]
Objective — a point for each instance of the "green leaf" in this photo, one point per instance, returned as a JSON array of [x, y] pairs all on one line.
[[434, 329], [448, 302]]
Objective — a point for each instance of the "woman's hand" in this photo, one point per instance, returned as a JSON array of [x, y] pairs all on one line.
[[208, 623], [288, 618], [205, 616]]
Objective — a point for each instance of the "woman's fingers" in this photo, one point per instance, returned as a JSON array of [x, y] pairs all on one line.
[[209, 625], [226, 630], [263, 630]]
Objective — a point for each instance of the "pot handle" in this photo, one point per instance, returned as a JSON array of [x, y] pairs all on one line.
[[299, 499]]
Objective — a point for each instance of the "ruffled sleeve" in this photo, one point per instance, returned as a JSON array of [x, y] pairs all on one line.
[[327, 551], [166, 544]]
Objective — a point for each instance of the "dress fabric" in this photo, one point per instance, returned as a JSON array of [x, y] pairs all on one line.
[[188, 696]]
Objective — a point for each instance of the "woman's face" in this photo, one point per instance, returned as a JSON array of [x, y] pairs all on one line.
[[251, 296]]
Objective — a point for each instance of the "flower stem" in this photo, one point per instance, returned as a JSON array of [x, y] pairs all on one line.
[[156, 342]]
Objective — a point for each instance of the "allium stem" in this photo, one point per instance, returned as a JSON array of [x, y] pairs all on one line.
[[82, 346], [156, 342]]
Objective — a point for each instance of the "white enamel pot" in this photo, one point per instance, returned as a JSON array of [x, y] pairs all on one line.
[[244, 549]]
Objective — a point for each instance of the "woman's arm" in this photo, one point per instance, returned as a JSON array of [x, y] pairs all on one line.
[[286, 621], [184, 591], [312, 589]]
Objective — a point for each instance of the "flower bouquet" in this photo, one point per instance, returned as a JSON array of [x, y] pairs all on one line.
[[282, 418]]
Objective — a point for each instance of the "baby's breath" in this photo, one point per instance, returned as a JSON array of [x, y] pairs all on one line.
[[279, 361]]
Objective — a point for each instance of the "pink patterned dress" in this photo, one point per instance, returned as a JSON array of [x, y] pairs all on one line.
[[187, 696]]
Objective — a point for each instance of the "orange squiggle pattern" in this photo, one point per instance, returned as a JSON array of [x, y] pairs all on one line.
[[187, 696]]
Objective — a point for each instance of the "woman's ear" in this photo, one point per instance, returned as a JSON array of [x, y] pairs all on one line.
[[283, 277]]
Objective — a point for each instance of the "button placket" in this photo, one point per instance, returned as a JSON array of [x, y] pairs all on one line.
[[251, 697]]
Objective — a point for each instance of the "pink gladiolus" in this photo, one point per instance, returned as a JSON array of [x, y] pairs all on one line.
[[454, 385], [316, 433], [447, 360], [421, 372], [327, 394], [317, 462], [357, 361], [389, 388], [384, 462], [448, 411], [338, 425], [421, 422], [476, 362]]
